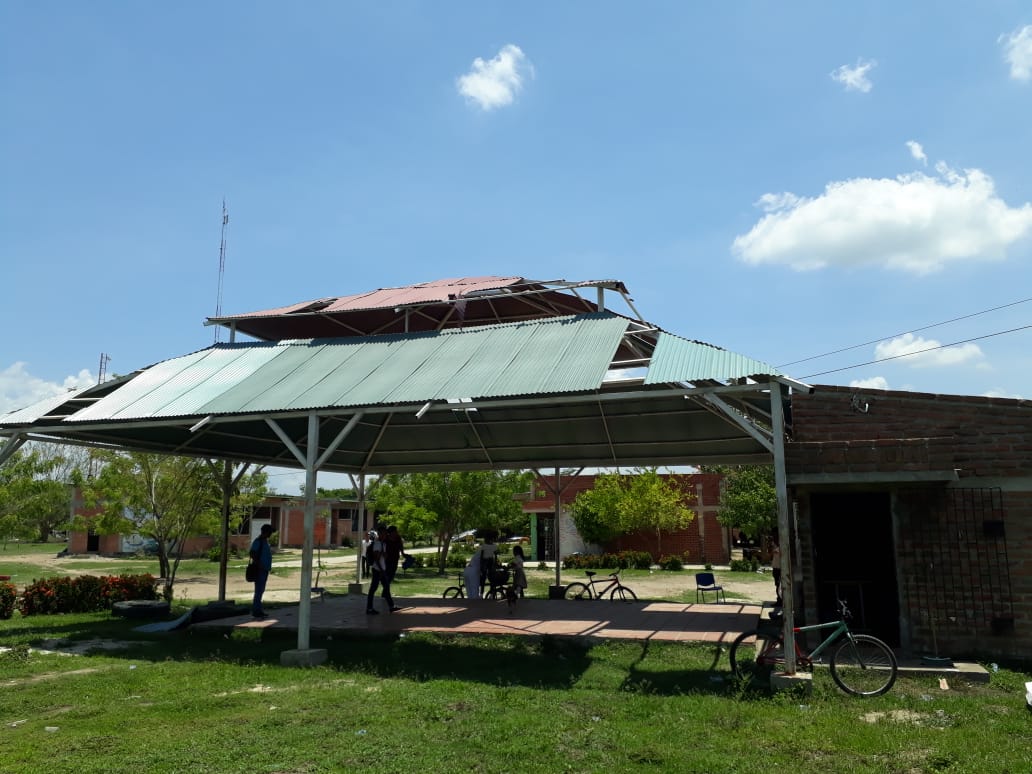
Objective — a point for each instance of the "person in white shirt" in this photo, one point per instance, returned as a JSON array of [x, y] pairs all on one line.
[[376, 553]]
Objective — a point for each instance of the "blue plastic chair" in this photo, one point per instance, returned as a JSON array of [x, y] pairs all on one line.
[[704, 581]]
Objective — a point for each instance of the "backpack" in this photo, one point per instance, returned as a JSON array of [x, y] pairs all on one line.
[[370, 553]]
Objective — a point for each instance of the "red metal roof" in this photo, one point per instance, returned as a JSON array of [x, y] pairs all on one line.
[[435, 305]]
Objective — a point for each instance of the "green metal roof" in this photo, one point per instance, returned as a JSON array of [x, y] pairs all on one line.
[[681, 360], [512, 395], [552, 356]]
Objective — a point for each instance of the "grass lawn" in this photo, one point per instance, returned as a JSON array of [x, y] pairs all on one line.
[[190, 701]]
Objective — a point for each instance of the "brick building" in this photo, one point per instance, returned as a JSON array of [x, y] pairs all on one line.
[[917, 509], [704, 540], [336, 521]]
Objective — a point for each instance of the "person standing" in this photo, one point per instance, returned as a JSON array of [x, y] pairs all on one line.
[[261, 557], [488, 556], [775, 567], [519, 576], [471, 577], [377, 555]]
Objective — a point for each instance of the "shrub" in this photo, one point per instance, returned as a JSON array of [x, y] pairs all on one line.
[[84, 594], [671, 563], [8, 595], [745, 565], [637, 560]]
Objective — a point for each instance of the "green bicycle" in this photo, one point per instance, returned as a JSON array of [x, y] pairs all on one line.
[[861, 665]]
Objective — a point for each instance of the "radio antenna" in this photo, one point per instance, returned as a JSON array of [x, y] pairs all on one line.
[[222, 268]]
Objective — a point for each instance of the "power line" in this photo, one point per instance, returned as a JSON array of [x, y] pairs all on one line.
[[915, 330], [917, 352]]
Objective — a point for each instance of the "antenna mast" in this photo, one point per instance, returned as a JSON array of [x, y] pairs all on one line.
[[222, 268], [105, 358]]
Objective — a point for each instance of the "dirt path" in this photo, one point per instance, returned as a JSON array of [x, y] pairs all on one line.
[[339, 570]]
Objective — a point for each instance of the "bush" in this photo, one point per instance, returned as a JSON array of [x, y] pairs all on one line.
[[624, 560], [745, 565], [215, 553], [8, 595], [84, 594], [671, 563]]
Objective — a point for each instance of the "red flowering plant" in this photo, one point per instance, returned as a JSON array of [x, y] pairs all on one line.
[[83, 594]]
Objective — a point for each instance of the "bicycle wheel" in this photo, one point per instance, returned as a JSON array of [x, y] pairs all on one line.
[[577, 591], [753, 654], [453, 592], [623, 594], [863, 666]]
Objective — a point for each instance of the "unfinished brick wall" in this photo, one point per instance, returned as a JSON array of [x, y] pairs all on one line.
[[867, 435]]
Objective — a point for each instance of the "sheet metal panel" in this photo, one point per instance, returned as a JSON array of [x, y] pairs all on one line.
[[41, 408], [546, 356], [681, 360]]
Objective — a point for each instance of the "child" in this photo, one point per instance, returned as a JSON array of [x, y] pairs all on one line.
[[519, 577]]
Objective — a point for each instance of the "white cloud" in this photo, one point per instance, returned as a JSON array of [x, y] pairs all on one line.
[[917, 151], [19, 388], [920, 352], [495, 83], [855, 78], [1000, 394], [874, 383], [1017, 50], [916, 223]]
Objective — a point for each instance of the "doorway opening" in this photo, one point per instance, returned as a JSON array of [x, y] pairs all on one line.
[[855, 560]]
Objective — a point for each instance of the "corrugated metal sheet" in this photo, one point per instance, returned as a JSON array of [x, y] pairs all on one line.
[[386, 298], [38, 409], [680, 360], [546, 356]]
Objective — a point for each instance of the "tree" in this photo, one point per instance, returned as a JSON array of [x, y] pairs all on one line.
[[332, 494], [165, 498], [35, 496], [748, 499], [618, 504], [448, 503]]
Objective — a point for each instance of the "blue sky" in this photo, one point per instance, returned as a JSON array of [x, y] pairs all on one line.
[[783, 180]]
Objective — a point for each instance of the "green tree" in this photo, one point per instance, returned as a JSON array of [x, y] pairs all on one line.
[[448, 503], [165, 498], [35, 495], [748, 499], [620, 503]]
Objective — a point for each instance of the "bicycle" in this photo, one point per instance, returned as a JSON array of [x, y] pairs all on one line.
[[612, 586], [493, 591], [861, 665]]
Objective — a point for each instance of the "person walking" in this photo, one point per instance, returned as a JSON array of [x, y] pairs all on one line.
[[394, 548], [261, 557], [377, 555], [775, 567]]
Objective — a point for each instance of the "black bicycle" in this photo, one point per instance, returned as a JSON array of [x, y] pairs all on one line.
[[611, 585], [496, 586]]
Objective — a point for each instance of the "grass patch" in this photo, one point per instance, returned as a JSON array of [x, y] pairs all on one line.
[[205, 702]]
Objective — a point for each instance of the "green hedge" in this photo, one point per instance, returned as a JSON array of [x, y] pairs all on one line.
[[8, 595], [624, 560], [83, 594]]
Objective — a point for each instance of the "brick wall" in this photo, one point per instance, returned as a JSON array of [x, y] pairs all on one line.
[[898, 442], [704, 540]]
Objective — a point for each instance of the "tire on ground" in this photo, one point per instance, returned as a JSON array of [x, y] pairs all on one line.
[[141, 608]]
